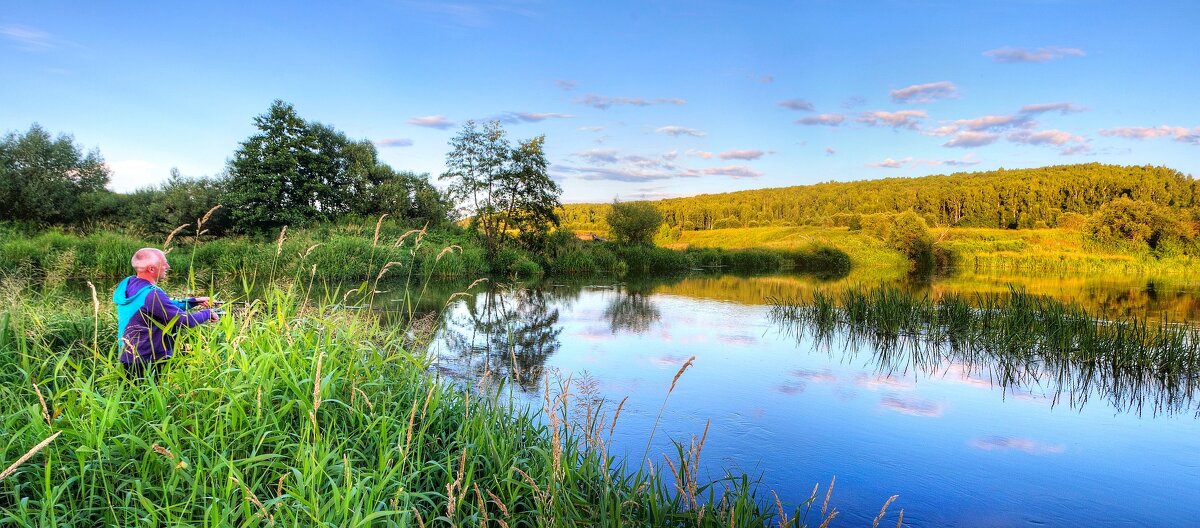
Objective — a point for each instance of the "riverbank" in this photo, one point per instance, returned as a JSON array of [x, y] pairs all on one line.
[[370, 251], [977, 249], [283, 414]]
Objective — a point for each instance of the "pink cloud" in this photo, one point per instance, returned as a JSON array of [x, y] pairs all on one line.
[[741, 154], [676, 131], [890, 163], [1179, 133], [971, 139], [993, 122], [924, 93], [822, 119], [1042, 137], [903, 118], [733, 171]]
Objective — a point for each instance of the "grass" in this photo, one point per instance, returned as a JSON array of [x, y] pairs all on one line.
[[864, 250], [1052, 250], [1023, 338], [292, 412]]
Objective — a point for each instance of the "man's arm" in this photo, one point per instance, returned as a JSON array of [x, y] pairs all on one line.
[[164, 310]]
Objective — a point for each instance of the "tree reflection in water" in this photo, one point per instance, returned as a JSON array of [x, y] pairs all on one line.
[[631, 310], [506, 331]]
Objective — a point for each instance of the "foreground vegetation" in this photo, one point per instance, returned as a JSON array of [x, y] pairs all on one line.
[[292, 413]]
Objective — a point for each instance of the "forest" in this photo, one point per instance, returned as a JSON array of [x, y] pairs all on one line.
[[1003, 198]]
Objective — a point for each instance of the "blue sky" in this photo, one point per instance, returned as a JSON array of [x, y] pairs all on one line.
[[636, 99]]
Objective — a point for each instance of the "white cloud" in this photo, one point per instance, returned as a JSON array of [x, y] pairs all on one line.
[[1062, 108], [1011, 55], [699, 154], [27, 38], [767, 79], [924, 93], [901, 119], [829, 151], [670, 156], [566, 84], [591, 128], [394, 142], [971, 139], [741, 154], [604, 102], [822, 119], [797, 104], [432, 121], [673, 130]]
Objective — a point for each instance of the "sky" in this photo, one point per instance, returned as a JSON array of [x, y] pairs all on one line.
[[637, 100]]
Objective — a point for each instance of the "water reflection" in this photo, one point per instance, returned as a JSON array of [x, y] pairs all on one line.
[[507, 332], [1025, 373], [631, 310]]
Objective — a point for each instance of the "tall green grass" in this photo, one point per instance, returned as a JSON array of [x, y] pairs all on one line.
[[1020, 338], [292, 412]]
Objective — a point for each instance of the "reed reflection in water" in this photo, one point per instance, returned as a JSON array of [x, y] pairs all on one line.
[[1020, 343]]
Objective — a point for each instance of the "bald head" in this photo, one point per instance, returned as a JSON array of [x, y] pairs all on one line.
[[147, 257]]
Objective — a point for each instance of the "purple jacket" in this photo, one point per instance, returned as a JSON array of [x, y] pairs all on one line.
[[149, 319]]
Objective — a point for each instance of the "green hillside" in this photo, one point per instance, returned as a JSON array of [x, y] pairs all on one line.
[[1008, 199]]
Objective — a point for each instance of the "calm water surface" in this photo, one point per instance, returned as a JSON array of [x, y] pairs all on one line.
[[957, 446]]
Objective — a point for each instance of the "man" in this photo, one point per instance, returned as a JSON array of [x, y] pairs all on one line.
[[146, 317]]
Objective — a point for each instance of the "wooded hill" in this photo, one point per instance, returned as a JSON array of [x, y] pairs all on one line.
[[1011, 199]]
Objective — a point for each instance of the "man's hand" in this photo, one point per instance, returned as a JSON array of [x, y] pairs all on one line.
[[214, 317], [203, 301]]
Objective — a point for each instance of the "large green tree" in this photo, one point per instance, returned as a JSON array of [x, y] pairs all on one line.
[[633, 222], [47, 180], [505, 191], [296, 172]]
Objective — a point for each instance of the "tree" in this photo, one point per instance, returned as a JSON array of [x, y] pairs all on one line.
[[1142, 223], [633, 222], [46, 180], [506, 192], [295, 172]]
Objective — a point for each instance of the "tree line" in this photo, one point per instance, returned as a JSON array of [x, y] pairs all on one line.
[[1003, 198], [291, 171]]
